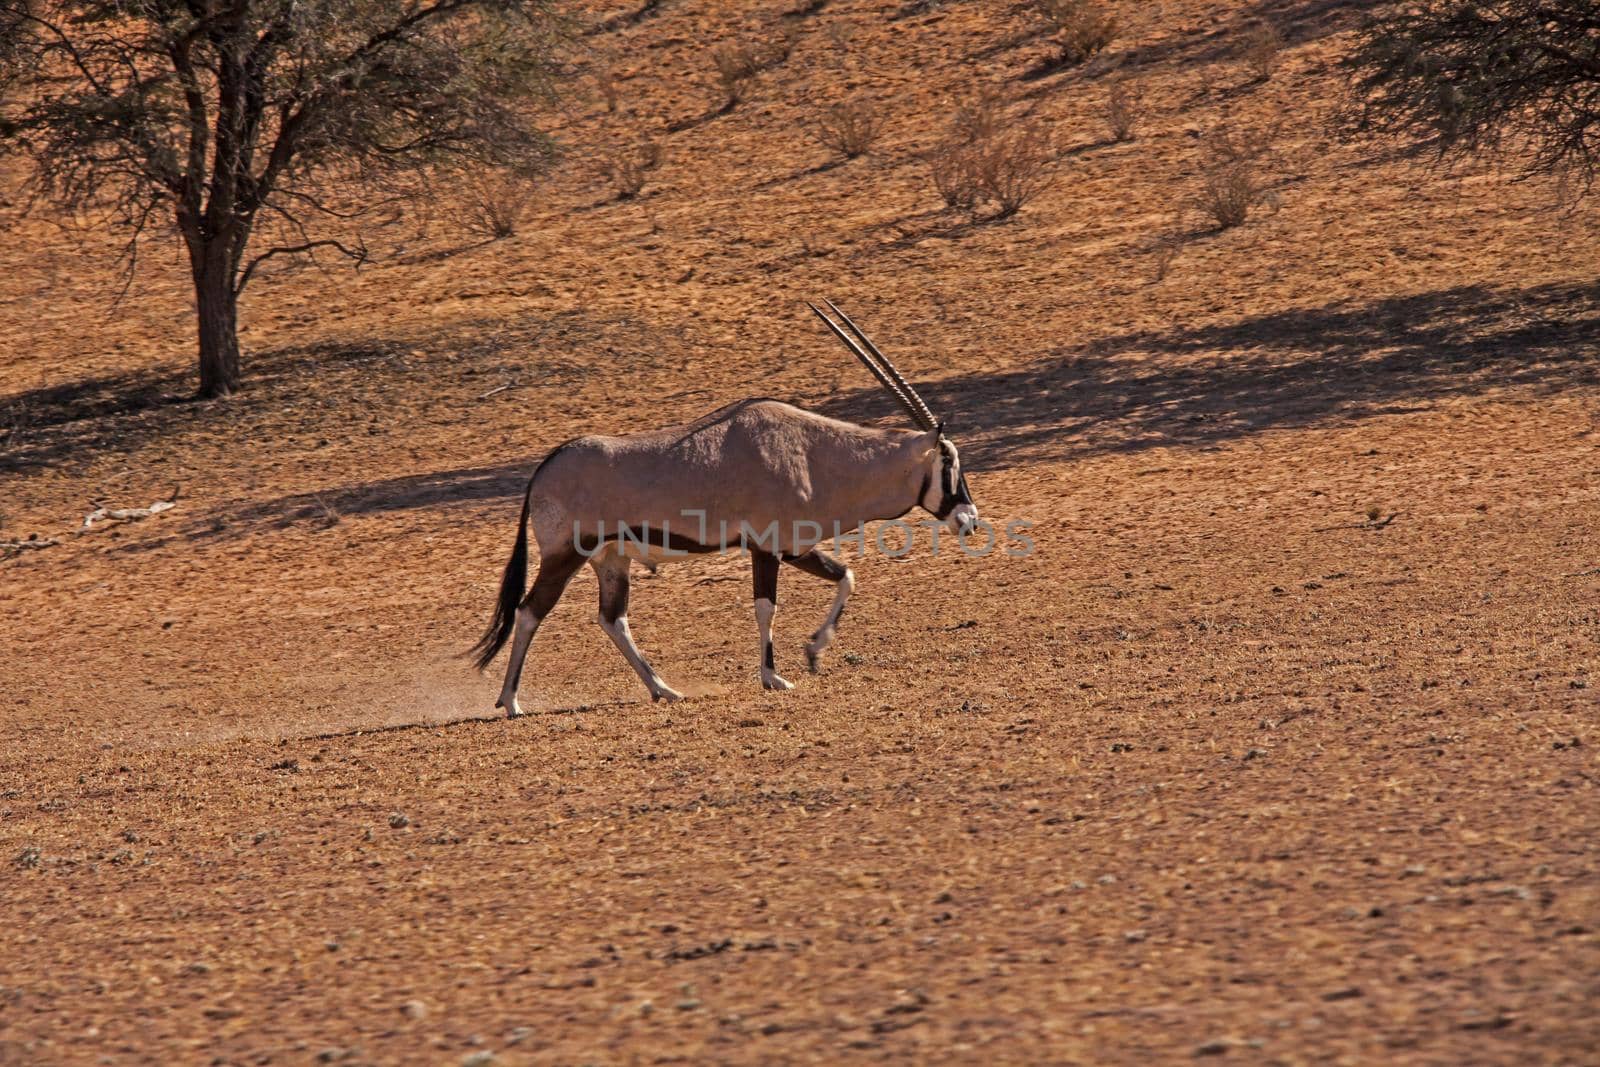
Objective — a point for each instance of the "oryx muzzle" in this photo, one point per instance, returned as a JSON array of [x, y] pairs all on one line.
[[795, 477]]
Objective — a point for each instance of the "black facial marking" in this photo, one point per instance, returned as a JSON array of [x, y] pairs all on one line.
[[952, 485]]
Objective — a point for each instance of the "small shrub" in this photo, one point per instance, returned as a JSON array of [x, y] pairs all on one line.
[[979, 118], [1013, 167], [1227, 145], [1230, 191], [495, 202], [1165, 250], [736, 65], [1124, 109], [850, 128], [1082, 28], [1232, 183], [952, 171], [628, 168], [1261, 49]]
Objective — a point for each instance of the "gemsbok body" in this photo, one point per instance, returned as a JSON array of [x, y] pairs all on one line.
[[759, 474]]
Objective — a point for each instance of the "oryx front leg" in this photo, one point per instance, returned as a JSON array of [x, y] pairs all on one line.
[[555, 571], [825, 566], [611, 568], [764, 569]]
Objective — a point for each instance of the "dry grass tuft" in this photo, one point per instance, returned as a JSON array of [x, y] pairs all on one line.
[[494, 203], [1013, 167], [1232, 182], [951, 168], [983, 160], [849, 129], [1261, 49], [738, 64], [1124, 109], [978, 118], [1082, 28], [629, 167]]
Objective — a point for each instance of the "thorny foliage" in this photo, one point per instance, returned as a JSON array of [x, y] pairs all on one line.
[[1485, 77], [221, 116], [1082, 28], [848, 129], [1007, 166]]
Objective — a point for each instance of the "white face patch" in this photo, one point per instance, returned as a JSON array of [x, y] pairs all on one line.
[[963, 518], [947, 490]]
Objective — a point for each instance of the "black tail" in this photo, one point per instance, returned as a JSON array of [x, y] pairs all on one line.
[[512, 586]]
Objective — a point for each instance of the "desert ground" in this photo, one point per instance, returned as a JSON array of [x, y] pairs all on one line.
[[1279, 747]]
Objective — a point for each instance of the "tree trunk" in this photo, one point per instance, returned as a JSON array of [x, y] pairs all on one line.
[[217, 305]]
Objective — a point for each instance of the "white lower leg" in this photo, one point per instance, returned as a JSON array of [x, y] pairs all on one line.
[[527, 626], [765, 609], [824, 636], [622, 637]]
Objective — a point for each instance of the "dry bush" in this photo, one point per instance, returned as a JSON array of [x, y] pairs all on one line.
[[1082, 28], [951, 167], [1228, 193], [628, 167], [850, 128], [1232, 182], [1261, 49], [1124, 109], [1013, 167], [1165, 250], [494, 203], [978, 118], [737, 65]]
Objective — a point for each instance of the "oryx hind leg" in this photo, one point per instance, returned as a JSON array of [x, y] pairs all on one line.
[[764, 570], [611, 567], [556, 569], [825, 566]]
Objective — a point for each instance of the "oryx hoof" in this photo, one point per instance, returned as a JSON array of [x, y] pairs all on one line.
[[774, 682], [812, 659], [513, 711], [671, 696]]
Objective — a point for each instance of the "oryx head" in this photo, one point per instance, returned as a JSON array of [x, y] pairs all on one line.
[[944, 487]]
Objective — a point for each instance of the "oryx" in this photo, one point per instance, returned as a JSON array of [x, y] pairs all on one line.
[[790, 477]]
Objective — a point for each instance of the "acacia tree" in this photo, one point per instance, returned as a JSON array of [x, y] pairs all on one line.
[[1486, 76], [279, 119]]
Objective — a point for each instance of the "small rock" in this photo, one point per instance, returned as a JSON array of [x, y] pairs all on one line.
[[399, 821], [414, 1009], [481, 1058], [519, 1035], [1212, 1048]]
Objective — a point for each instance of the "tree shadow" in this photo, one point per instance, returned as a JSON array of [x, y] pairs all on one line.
[[1187, 387], [124, 410], [1202, 387]]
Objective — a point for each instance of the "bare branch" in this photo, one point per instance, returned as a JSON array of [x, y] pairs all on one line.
[[359, 255]]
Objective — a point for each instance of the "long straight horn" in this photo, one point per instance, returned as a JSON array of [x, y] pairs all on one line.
[[877, 371], [920, 412]]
